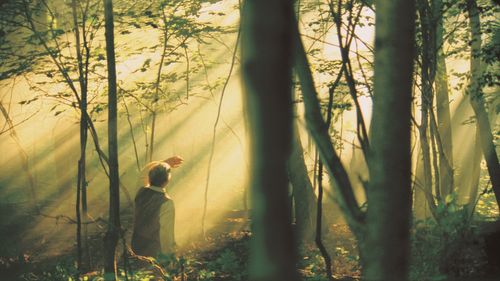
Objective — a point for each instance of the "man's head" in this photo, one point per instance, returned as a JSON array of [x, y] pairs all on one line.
[[159, 174]]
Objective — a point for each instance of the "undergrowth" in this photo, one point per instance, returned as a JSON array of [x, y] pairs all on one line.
[[447, 247]]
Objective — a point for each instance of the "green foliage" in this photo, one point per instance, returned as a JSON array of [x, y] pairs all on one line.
[[229, 264], [486, 208], [312, 266], [180, 27], [173, 265], [206, 275], [228, 261], [446, 247], [345, 262], [62, 271]]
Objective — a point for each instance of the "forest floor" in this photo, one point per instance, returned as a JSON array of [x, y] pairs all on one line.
[[221, 256]]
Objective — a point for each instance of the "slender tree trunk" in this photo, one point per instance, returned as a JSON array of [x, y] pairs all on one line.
[[319, 132], [156, 96], [319, 206], [424, 141], [443, 107], [266, 67], [81, 197], [319, 220], [362, 132], [214, 137], [302, 191], [477, 100], [427, 79], [79, 217], [433, 135], [389, 194], [420, 200], [111, 238], [475, 172]]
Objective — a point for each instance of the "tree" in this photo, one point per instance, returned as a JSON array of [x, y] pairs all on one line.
[[435, 163], [81, 192], [45, 27], [319, 208], [443, 103], [303, 193], [389, 192], [476, 98], [427, 76], [384, 254], [266, 68], [178, 24], [113, 232]]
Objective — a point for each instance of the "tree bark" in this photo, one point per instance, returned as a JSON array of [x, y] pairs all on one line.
[[420, 200], [319, 219], [112, 234], [387, 243], [427, 79], [477, 100], [154, 103], [319, 131], [266, 69], [475, 173], [81, 196], [443, 106], [319, 206], [303, 192]]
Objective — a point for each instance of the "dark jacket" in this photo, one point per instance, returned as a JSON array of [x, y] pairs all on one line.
[[148, 221]]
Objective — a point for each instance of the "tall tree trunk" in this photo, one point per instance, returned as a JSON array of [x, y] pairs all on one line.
[[475, 172], [443, 106], [419, 193], [477, 100], [319, 132], [319, 220], [81, 196], [389, 194], [427, 79], [154, 105], [319, 206], [303, 192], [266, 68], [425, 147], [111, 238]]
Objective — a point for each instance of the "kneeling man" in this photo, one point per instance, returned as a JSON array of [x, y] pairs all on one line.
[[154, 211]]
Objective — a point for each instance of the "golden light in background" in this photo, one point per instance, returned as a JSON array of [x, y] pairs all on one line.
[[52, 142]]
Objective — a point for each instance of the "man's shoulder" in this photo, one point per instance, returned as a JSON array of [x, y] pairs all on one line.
[[148, 192]]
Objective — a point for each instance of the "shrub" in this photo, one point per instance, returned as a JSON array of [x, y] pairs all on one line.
[[448, 246]]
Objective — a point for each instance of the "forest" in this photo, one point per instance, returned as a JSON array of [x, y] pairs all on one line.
[[262, 140]]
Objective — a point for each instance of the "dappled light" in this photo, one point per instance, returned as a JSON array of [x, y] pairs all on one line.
[[316, 140]]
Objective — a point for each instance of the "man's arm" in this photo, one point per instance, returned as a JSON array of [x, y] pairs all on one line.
[[174, 161], [143, 180]]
